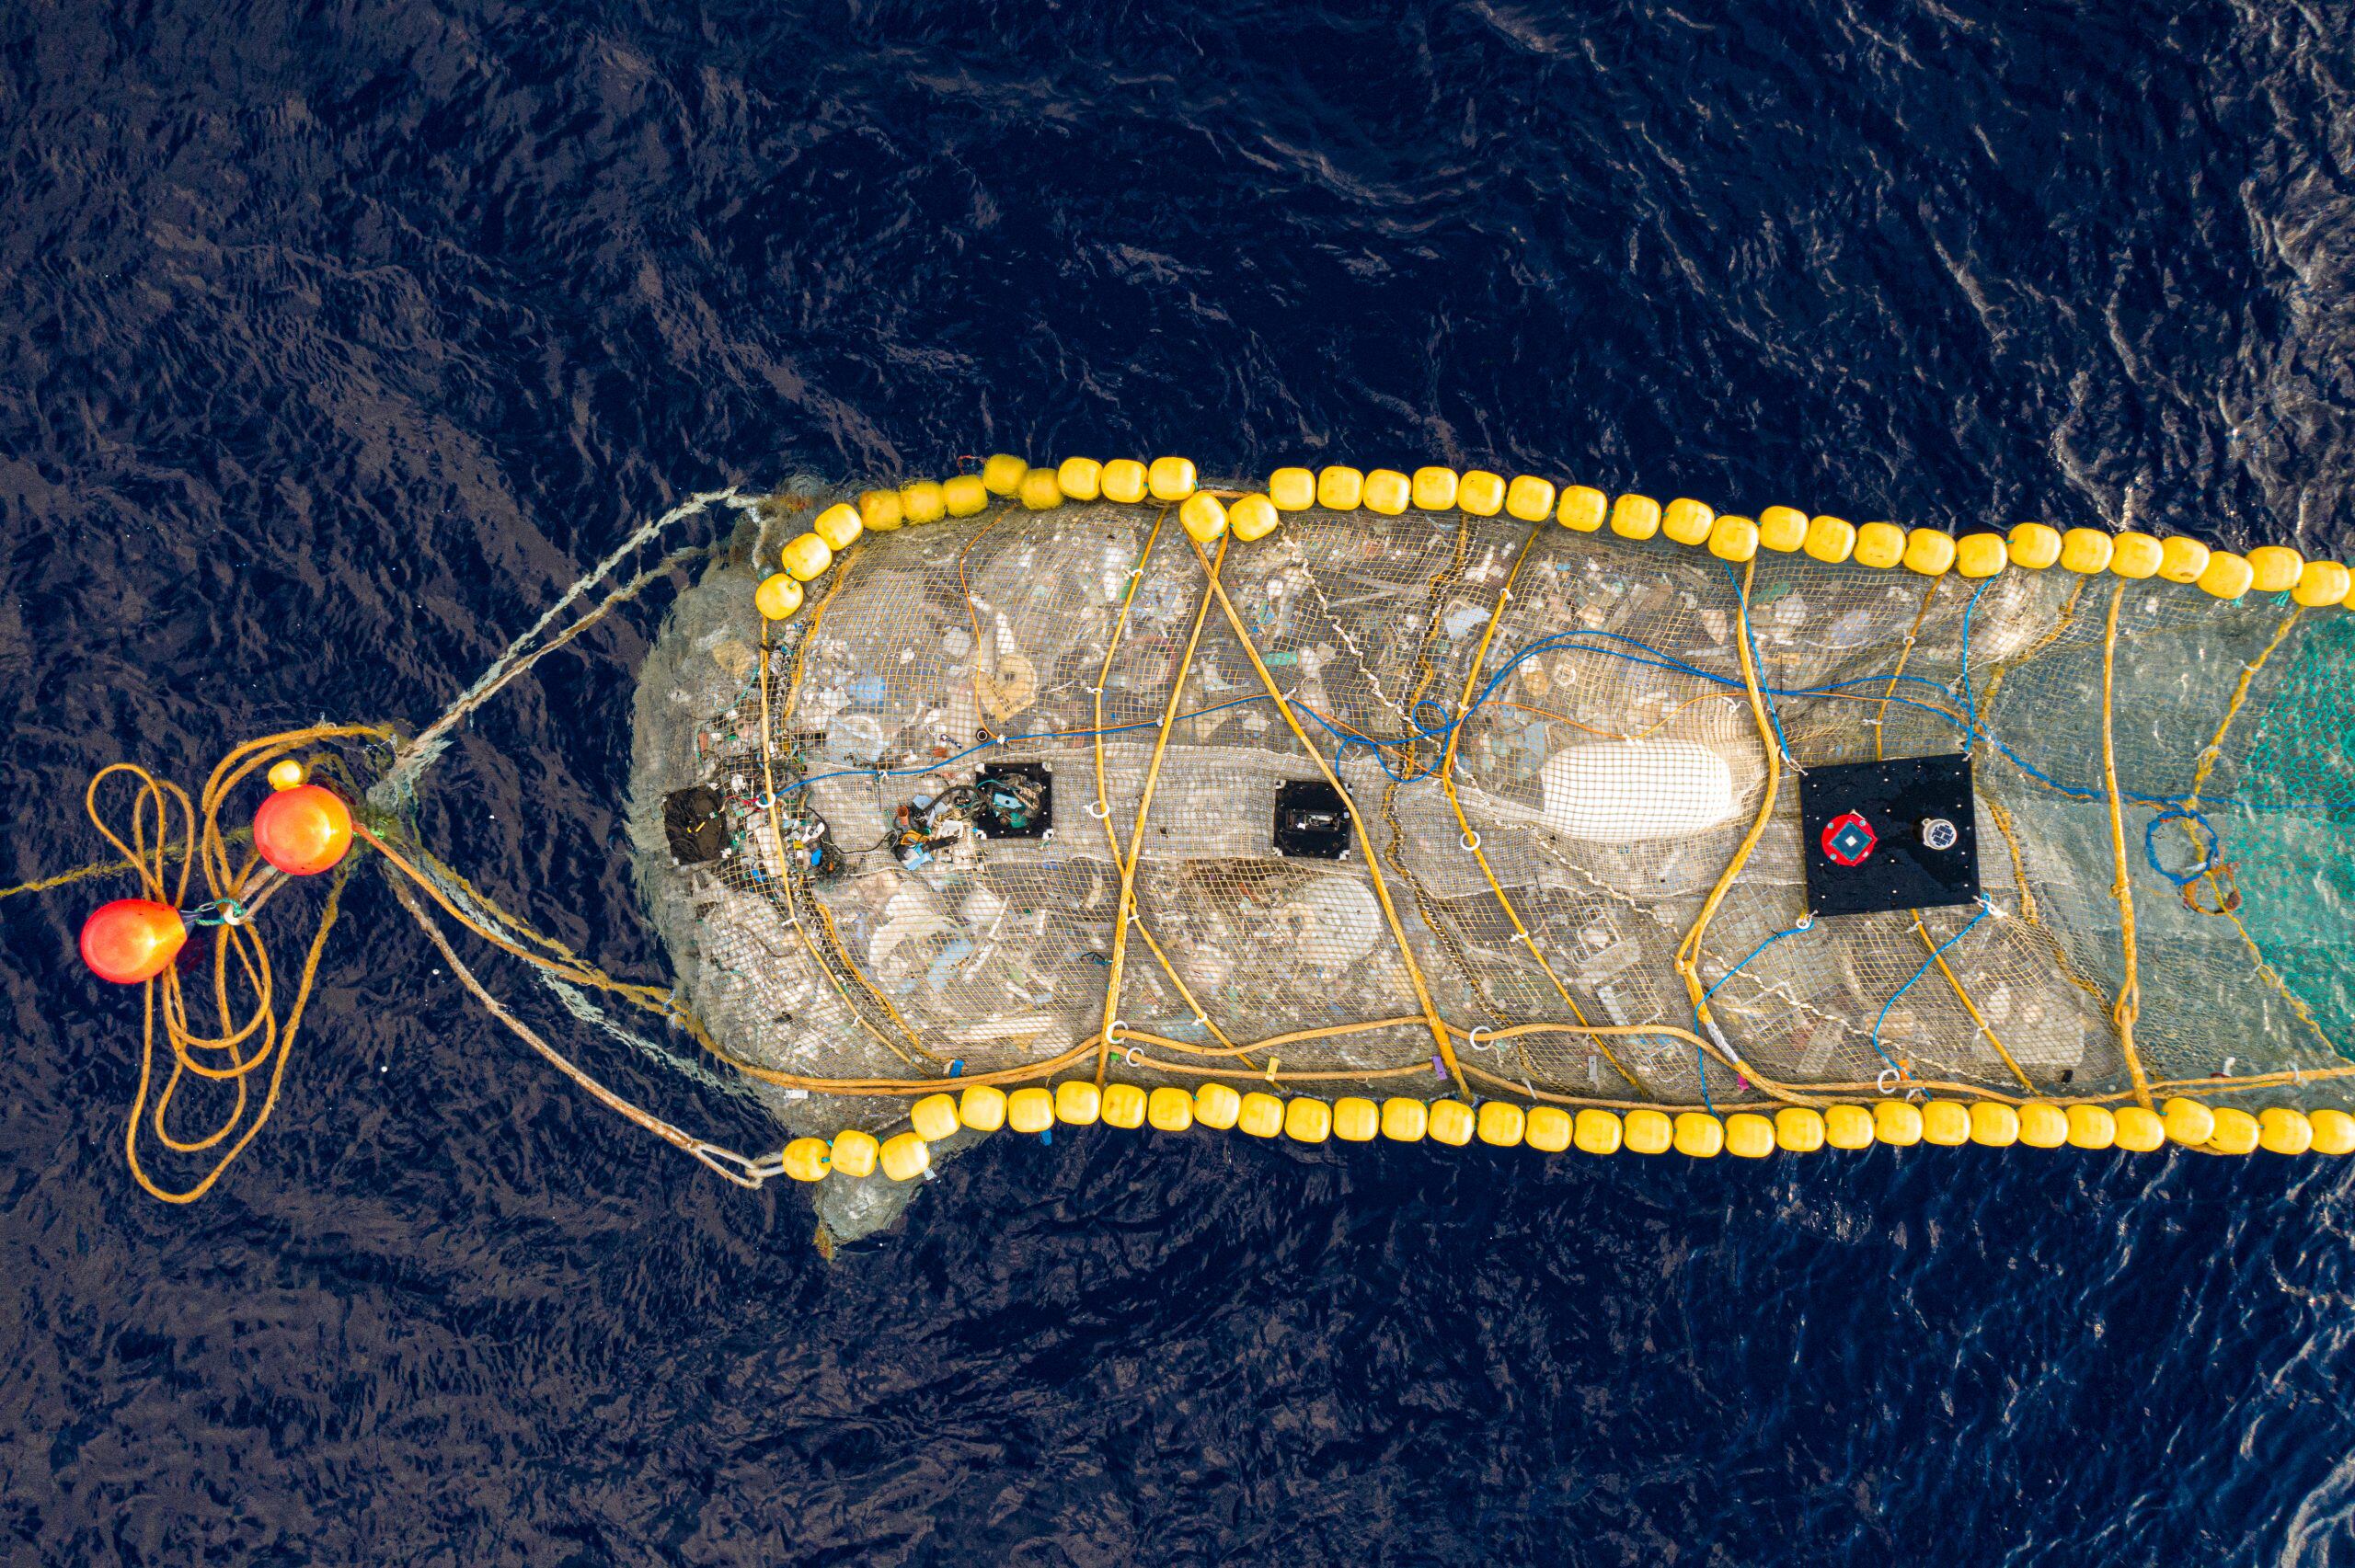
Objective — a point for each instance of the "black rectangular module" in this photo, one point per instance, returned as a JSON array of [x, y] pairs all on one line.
[[691, 822], [1311, 821], [1880, 836], [1017, 800]]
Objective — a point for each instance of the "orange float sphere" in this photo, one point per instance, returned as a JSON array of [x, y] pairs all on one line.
[[303, 830], [132, 940]]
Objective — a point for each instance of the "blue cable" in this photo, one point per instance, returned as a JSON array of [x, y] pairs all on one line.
[[1984, 907]]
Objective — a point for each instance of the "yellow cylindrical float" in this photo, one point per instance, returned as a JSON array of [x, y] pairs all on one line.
[[854, 1152], [1078, 1102], [2275, 568], [2321, 583], [1748, 1136], [1356, 1119], [1387, 491], [1501, 1124], [1203, 517], [1262, 1115], [1582, 509], [1309, 1120], [1598, 1132], [933, 1117], [1634, 517], [1897, 1123], [1405, 1121], [1125, 480], [2226, 575], [1929, 552], [1452, 1123], [1040, 490], [1481, 493], [2092, 1127], [1339, 487], [1529, 499], [2182, 560], [1980, 554], [1700, 1135], [2085, 550], [923, 500], [1733, 538], [1170, 478], [1292, 489], [1946, 1123], [2135, 556], [1168, 1109], [1830, 539], [1080, 478], [2237, 1132], [906, 1157], [1879, 545], [1123, 1106], [2043, 1125], [1216, 1106], [1030, 1110], [1848, 1127], [806, 557], [1549, 1129], [2187, 1122], [1649, 1132], [965, 495], [2034, 546], [2334, 1131], [880, 511], [1433, 488], [1993, 1123], [1687, 521], [1252, 517], [1799, 1130], [777, 597], [808, 1159], [983, 1107], [2137, 1129], [1002, 473], [2281, 1130], [838, 526], [1782, 529]]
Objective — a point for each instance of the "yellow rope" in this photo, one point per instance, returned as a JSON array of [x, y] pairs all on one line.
[[2130, 989], [1688, 951]]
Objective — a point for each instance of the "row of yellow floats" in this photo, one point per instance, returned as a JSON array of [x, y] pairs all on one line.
[[1796, 1129], [1172, 481]]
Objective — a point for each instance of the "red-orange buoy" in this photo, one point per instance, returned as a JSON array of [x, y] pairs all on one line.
[[132, 940], [304, 831]]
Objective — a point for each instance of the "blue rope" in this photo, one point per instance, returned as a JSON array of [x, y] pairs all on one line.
[[2207, 859], [1984, 907], [1787, 930], [1749, 638]]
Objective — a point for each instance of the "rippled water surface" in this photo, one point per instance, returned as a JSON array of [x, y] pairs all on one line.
[[336, 340]]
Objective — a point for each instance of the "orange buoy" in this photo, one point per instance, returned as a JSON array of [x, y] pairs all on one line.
[[303, 830], [132, 940]]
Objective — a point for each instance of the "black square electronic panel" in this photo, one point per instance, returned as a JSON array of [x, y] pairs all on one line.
[[1888, 836]]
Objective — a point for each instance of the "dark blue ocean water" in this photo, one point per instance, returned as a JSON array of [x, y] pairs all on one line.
[[336, 340]]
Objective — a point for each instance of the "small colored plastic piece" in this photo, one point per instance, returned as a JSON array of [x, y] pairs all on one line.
[[2034, 546], [1549, 1130], [1040, 490], [2181, 559], [1309, 1120], [1687, 521], [303, 830], [777, 597], [2187, 1122], [1002, 473], [1993, 1123], [1748, 1136], [1203, 517], [1879, 545], [1481, 493], [1650, 1132], [806, 557], [1634, 517], [1700, 1135], [1356, 1119], [924, 500], [1980, 554], [1848, 1127], [2275, 568], [1929, 552], [2237, 1132], [287, 773], [1252, 517], [1216, 1106], [2321, 583], [1170, 478], [1596, 1131], [1897, 1123], [1262, 1115], [1340, 489], [1030, 1110], [2226, 575], [933, 1117], [966, 496], [1292, 489], [1123, 1106], [1405, 1121], [1529, 499], [1450, 1123], [1078, 1102], [2137, 1129], [2043, 1125], [1124, 480], [1782, 529], [2092, 1127], [1169, 1109], [2087, 550], [2334, 1131], [1830, 539], [1799, 1130], [1434, 488], [1582, 509], [1080, 478], [1733, 538], [854, 1152], [131, 940], [807, 1159], [880, 511], [1387, 491], [2136, 555], [906, 1157], [1946, 1123], [1501, 1124], [983, 1107], [2281, 1130]]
